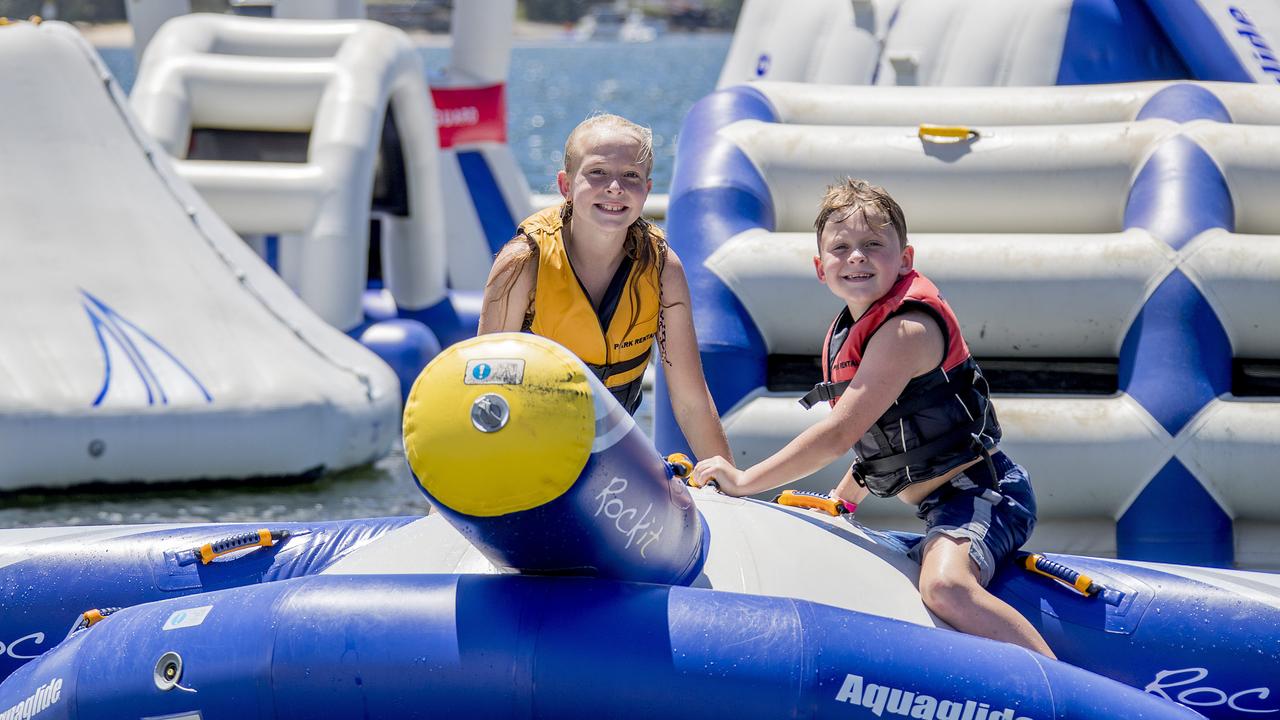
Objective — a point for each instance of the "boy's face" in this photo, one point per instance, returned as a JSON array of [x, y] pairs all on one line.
[[609, 186], [861, 261]]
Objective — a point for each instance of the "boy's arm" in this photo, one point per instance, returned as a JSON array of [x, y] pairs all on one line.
[[849, 490], [506, 298], [906, 346], [691, 401]]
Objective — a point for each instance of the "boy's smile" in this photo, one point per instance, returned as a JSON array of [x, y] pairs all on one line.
[[610, 184], [861, 261]]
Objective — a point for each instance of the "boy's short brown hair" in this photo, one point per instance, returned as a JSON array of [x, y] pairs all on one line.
[[854, 195]]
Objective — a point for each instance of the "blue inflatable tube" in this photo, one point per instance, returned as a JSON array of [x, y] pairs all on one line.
[[716, 193], [45, 592], [521, 647], [1212, 649]]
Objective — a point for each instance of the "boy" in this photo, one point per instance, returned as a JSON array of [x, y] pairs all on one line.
[[908, 397]]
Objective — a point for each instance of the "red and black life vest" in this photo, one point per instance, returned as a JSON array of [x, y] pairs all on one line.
[[942, 420]]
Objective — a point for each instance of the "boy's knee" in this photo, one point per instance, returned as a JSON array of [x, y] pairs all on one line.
[[948, 595]]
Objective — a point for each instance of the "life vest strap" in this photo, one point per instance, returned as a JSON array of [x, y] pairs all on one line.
[[823, 392], [604, 372], [952, 441]]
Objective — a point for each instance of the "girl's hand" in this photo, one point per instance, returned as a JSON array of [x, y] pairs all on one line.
[[728, 477]]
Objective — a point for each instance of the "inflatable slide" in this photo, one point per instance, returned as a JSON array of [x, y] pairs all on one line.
[[144, 340]]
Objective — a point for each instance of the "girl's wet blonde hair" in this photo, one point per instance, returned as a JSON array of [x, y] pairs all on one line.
[[604, 122]]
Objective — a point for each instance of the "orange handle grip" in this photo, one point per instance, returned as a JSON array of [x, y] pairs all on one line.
[[810, 501], [262, 538]]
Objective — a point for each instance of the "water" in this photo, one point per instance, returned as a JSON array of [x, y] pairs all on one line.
[[552, 87]]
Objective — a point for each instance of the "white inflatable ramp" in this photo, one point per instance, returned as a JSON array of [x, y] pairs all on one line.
[[979, 43], [142, 339]]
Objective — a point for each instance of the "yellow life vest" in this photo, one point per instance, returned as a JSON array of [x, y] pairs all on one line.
[[610, 343]]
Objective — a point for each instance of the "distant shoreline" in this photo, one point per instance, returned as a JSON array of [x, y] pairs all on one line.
[[120, 34]]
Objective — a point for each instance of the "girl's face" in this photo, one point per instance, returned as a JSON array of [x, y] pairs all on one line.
[[609, 186]]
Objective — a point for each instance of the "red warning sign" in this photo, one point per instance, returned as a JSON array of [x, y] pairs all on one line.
[[471, 114]]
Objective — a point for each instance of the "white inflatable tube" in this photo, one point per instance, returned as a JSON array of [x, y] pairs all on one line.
[[336, 81], [984, 275], [296, 191], [808, 104], [1013, 179], [1237, 273]]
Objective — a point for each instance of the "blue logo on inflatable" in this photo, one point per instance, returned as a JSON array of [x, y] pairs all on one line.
[[137, 369], [481, 371], [1262, 51], [762, 65]]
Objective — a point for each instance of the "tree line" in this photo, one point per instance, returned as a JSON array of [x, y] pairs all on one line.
[[92, 11]]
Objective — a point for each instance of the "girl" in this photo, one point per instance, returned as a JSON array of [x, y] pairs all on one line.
[[594, 276]]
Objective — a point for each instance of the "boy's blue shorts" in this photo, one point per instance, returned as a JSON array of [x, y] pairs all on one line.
[[996, 522]]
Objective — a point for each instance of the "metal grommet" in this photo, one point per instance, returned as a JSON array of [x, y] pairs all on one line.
[[490, 413], [168, 671]]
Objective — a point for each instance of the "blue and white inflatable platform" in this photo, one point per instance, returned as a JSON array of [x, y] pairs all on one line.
[[1109, 248], [569, 573]]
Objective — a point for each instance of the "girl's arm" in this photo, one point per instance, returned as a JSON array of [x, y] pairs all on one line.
[[509, 289], [904, 347], [691, 401]]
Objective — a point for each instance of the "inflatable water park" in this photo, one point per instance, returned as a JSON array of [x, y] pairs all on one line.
[[1088, 182], [592, 582]]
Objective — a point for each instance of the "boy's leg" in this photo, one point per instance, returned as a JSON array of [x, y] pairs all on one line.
[[950, 587]]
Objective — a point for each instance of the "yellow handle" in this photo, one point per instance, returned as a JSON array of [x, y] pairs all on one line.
[[209, 551], [1077, 581], [89, 618], [680, 465], [811, 501], [946, 133]]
